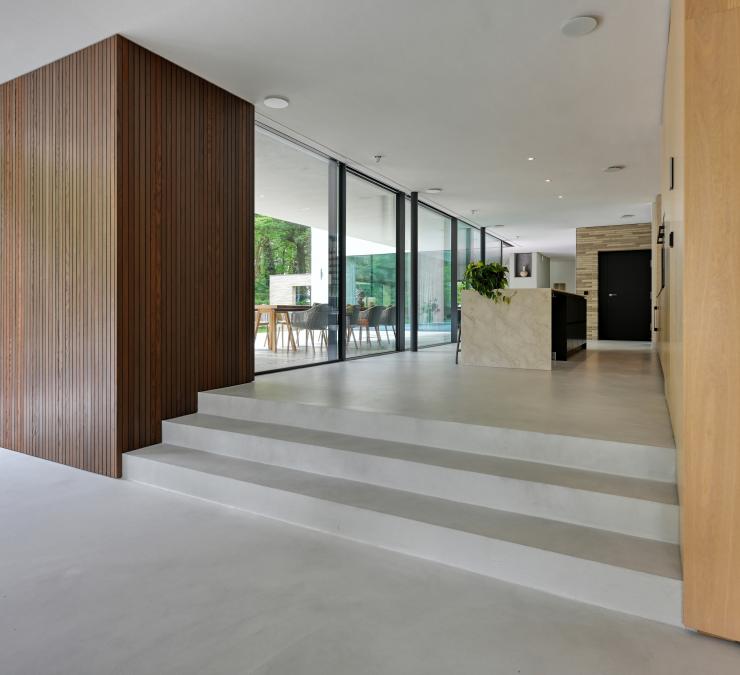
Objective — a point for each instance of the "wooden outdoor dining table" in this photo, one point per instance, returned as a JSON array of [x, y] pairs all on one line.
[[274, 313]]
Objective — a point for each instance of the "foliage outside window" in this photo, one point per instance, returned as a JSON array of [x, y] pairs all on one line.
[[281, 247]]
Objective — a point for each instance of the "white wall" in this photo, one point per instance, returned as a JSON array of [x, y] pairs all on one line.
[[563, 270], [540, 272]]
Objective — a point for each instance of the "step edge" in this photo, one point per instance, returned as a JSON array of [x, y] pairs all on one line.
[[215, 393], [493, 476], [161, 461], [668, 583]]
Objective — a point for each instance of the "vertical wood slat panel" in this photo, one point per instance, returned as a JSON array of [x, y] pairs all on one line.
[[57, 280], [189, 228], [126, 219]]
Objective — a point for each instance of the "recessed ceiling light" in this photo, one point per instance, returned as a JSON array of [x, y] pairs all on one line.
[[579, 26], [276, 102], [560, 196], [531, 159], [628, 215], [614, 168], [499, 225], [433, 191], [547, 180]]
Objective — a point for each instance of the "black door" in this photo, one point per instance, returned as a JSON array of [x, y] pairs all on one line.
[[624, 295]]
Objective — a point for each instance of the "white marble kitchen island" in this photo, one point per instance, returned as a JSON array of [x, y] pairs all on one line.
[[508, 335]]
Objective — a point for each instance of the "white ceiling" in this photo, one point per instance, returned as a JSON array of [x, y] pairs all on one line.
[[453, 94]]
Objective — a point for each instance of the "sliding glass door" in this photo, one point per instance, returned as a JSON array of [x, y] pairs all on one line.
[[434, 307], [370, 268], [294, 285]]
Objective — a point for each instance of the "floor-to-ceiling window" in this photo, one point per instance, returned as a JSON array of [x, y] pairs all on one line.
[[295, 292], [434, 306], [468, 247], [494, 249], [370, 268]]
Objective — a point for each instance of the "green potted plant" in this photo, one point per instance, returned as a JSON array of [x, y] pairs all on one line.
[[488, 279]]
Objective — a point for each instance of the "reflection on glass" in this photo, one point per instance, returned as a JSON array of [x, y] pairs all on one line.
[[494, 250], [468, 247], [370, 268], [293, 320], [435, 275]]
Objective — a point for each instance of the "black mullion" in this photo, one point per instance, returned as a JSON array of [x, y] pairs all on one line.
[[400, 271], [483, 244], [453, 280], [341, 206], [335, 314], [414, 271]]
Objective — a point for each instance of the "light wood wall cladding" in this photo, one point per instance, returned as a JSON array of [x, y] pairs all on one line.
[[59, 249], [126, 217], [670, 299], [591, 240], [711, 387]]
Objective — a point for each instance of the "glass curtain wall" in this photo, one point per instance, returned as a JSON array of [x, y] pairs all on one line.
[[435, 278], [468, 247], [295, 280], [494, 249], [370, 268]]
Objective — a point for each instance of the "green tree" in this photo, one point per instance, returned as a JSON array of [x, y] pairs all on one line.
[[280, 247]]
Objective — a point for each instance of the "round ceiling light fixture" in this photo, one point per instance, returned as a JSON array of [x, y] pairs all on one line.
[[615, 168], [560, 196], [548, 180], [276, 102], [499, 225], [531, 159], [628, 215], [433, 191], [579, 26]]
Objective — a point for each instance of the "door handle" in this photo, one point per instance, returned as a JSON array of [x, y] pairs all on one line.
[[612, 295]]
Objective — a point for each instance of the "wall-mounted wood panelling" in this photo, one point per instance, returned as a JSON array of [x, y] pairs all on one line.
[[59, 258], [710, 448], [186, 225], [126, 218], [591, 240]]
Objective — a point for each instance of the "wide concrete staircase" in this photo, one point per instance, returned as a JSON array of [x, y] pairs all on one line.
[[591, 520]]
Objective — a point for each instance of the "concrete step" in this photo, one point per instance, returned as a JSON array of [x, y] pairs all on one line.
[[617, 571], [611, 457], [637, 507]]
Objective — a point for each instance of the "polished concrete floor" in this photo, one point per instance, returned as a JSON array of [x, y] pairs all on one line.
[[103, 577], [611, 391], [304, 355]]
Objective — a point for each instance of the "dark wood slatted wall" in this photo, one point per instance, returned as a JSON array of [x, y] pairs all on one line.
[[187, 154], [126, 220], [58, 267]]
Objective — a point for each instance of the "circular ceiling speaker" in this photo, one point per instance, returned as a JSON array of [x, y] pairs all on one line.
[[276, 102], [579, 26]]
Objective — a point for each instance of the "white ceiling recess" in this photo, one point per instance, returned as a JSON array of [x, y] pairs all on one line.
[[453, 94]]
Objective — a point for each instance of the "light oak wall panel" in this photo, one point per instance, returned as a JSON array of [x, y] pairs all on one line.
[[591, 240], [711, 379], [670, 300]]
